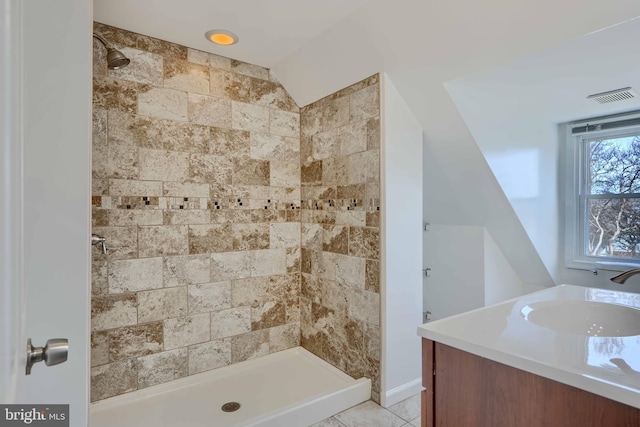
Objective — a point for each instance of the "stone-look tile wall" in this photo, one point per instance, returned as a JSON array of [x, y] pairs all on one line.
[[340, 256], [196, 187]]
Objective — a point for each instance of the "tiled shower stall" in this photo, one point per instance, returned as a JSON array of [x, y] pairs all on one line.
[[237, 223]]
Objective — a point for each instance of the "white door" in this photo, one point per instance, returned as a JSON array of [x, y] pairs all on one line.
[[49, 233]]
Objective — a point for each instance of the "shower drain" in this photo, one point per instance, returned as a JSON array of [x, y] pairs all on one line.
[[230, 406]]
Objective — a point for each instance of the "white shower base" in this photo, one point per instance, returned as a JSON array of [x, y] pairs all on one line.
[[291, 388]]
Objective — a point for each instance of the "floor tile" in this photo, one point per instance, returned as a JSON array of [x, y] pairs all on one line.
[[416, 422], [329, 422], [368, 414], [407, 409]]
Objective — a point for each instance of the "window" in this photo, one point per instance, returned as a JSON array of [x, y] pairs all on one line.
[[603, 195]]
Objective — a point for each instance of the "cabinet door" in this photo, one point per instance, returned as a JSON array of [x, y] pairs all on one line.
[[473, 391], [428, 382]]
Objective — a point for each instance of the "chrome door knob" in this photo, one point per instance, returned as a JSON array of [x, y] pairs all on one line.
[[53, 353]]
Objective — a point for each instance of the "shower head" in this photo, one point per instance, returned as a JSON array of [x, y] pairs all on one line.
[[115, 59]]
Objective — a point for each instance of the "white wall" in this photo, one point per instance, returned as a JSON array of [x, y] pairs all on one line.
[[455, 255], [401, 241], [501, 282], [57, 113]]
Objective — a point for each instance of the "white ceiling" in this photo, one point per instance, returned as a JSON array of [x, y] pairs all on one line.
[[269, 30]]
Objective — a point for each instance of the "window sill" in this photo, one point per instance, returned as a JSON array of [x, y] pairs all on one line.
[[605, 265]]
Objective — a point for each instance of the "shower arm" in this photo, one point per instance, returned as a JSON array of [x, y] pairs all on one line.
[[102, 40]]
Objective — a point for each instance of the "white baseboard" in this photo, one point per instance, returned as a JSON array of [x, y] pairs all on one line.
[[402, 392]]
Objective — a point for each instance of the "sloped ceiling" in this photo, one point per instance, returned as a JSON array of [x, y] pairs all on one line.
[[316, 48]]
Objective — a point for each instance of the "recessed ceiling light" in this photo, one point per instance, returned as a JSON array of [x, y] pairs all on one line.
[[221, 37]]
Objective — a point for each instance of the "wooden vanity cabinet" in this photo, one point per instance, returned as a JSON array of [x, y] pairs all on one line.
[[465, 390]]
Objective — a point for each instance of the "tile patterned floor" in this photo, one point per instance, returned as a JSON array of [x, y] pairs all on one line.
[[369, 414]]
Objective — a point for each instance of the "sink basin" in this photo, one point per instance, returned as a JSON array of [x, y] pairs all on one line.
[[588, 318]]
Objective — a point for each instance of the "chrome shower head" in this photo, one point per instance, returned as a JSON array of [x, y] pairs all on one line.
[[115, 59]]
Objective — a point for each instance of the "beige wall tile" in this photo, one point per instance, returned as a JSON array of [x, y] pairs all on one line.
[[353, 138], [115, 162], [129, 217], [364, 305], [323, 264], [284, 235], [231, 86], [335, 296], [99, 278], [187, 330], [364, 103], [249, 117], [185, 189], [351, 218], [161, 165], [115, 94], [209, 110], [230, 322], [164, 240], [266, 146], [250, 345], [251, 172], [268, 262], [350, 271], [161, 304], [186, 217], [268, 315], [248, 237], [210, 238], [249, 70], [293, 260], [99, 127], [335, 239], [186, 270], [209, 355], [133, 341], [335, 113], [325, 144], [135, 275], [364, 167], [372, 276], [229, 142], [162, 47], [162, 367], [123, 187], [113, 379], [145, 67], [186, 76], [99, 348], [208, 59], [284, 337], [334, 171], [284, 174], [208, 297], [122, 242], [162, 103], [230, 265], [284, 123], [113, 311], [272, 94]]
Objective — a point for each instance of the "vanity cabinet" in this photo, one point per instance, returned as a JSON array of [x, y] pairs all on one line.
[[466, 390]]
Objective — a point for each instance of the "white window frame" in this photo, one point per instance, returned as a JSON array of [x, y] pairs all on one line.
[[574, 178]]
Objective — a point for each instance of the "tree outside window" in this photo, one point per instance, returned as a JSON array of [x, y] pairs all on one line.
[[610, 196]]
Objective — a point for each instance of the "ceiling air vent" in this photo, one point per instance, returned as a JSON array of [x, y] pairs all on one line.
[[613, 95]]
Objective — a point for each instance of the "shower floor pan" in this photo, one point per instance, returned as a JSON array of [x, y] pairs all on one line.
[[291, 388]]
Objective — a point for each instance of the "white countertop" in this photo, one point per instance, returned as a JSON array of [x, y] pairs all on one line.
[[501, 333]]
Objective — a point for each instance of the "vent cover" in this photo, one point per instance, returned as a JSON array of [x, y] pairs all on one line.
[[613, 95]]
